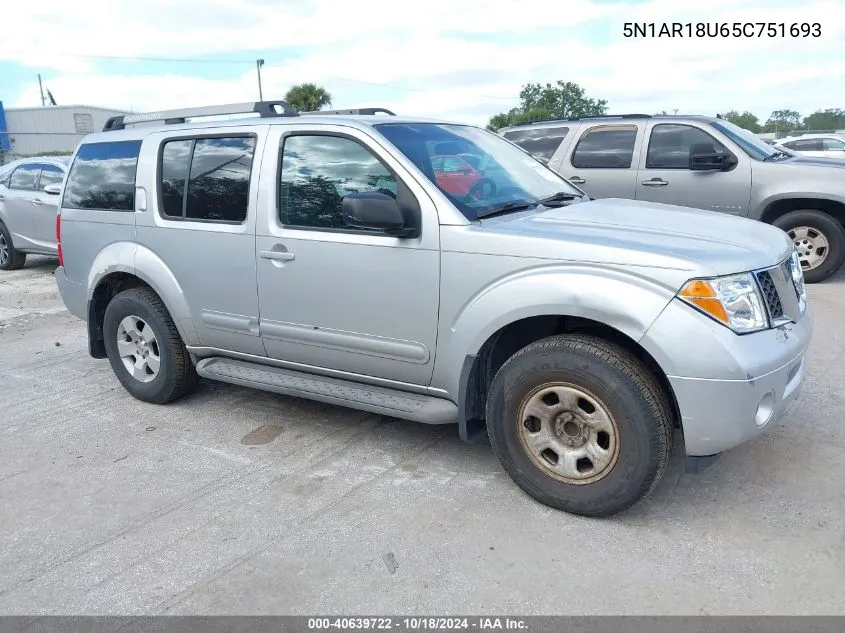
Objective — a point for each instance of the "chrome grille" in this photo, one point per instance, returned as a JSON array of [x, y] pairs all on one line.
[[770, 295]]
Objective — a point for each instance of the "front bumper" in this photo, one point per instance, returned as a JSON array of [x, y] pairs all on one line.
[[74, 295], [729, 388]]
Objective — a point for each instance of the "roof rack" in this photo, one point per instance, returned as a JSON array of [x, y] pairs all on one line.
[[354, 111], [170, 117], [581, 118]]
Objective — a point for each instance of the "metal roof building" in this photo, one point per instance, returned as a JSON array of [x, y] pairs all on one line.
[[55, 128]]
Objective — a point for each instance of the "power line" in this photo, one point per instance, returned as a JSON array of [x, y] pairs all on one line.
[[246, 61]]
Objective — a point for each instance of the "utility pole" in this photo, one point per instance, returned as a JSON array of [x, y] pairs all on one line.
[[258, 64], [41, 89], [675, 110]]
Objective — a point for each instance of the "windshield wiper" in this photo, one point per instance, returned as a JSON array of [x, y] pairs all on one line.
[[560, 196], [777, 153]]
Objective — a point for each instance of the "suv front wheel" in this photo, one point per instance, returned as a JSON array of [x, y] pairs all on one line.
[[819, 240], [579, 424], [144, 348]]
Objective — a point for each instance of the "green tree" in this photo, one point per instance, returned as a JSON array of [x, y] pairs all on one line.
[[746, 120], [308, 97], [552, 101], [830, 119], [783, 121]]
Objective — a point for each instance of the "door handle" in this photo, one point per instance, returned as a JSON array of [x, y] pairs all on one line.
[[577, 180], [655, 182], [282, 256], [37, 202]]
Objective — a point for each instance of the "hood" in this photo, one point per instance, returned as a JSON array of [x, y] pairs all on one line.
[[633, 233], [819, 161]]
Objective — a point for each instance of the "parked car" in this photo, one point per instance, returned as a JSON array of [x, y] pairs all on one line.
[[320, 256], [701, 162], [821, 145], [457, 176], [29, 194]]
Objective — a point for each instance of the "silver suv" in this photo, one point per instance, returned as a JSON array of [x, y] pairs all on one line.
[[29, 196], [434, 272], [701, 162]]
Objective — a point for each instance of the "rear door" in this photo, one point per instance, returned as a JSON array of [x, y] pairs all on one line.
[[833, 147], [44, 205], [664, 174], [17, 201], [603, 159]]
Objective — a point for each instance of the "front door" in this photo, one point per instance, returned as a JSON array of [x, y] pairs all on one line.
[[665, 176], [17, 201], [335, 298]]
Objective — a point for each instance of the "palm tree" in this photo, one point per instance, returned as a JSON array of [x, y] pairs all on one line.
[[308, 97]]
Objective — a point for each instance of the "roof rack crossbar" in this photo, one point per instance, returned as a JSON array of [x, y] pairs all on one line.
[[264, 109], [595, 116], [364, 111]]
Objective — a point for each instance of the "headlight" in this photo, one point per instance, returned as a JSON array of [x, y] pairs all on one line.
[[798, 281], [734, 301]]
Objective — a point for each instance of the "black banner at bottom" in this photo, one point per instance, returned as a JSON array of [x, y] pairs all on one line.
[[416, 623]]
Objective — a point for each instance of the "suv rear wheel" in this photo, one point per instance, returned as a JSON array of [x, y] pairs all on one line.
[[10, 258], [819, 240], [144, 348], [579, 424]]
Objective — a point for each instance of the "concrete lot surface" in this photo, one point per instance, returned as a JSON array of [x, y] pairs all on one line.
[[234, 501]]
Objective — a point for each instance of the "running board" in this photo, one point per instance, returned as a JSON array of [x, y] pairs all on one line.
[[398, 404]]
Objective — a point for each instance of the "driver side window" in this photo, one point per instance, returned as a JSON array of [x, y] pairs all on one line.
[[670, 144], [317, 171]]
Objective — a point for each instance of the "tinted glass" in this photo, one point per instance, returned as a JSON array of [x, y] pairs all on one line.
[[670, 144], [606, 148], [103, 177], [318, 171], [541, 142], [833, 144], [504, 174], [175, 159], [808, 145], [50, 175], [219, 185], [25, 178]]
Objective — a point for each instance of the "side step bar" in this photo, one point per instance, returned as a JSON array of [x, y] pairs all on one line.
[[398, 404]]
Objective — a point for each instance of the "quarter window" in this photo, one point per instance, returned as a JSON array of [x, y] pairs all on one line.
[[541, 142], [670, 145], [318, 171], [217, 173], [25, 178], [102, 177], [606, 147]]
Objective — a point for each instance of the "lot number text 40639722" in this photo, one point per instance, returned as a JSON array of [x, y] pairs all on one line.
[[721, 29]]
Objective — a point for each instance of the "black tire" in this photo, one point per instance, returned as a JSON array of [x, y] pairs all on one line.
[[628, 391], [176, 374], [828, 226], [14, 259]]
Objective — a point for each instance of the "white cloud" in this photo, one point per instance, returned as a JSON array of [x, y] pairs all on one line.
[[442, 58]]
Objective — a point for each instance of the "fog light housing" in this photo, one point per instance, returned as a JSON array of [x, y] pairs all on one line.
[[765, 409]]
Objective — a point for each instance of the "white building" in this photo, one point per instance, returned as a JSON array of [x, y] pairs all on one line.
[[49, 129]]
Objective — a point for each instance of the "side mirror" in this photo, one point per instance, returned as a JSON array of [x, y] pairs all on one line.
[[53, 189], [702, 157], [374, 211]]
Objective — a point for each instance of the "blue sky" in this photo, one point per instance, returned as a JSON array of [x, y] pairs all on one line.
[[462, 60]]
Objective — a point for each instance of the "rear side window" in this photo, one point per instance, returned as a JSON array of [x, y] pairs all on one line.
[[833, 144], [541, 143], [25, 178], [206, 179], [606, 147], [102, 177]]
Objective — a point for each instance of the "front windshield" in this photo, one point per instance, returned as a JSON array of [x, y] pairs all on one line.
[[753, 145], [479, 171]]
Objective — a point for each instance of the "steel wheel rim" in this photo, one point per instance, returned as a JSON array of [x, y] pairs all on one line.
[[568, 433], [811, 245], [4, 250], [138, 348]]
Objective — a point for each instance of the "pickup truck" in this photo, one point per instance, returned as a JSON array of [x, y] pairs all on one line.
[[701, 162]]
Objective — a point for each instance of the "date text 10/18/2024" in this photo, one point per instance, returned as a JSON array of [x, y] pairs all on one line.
[[721, 29]]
